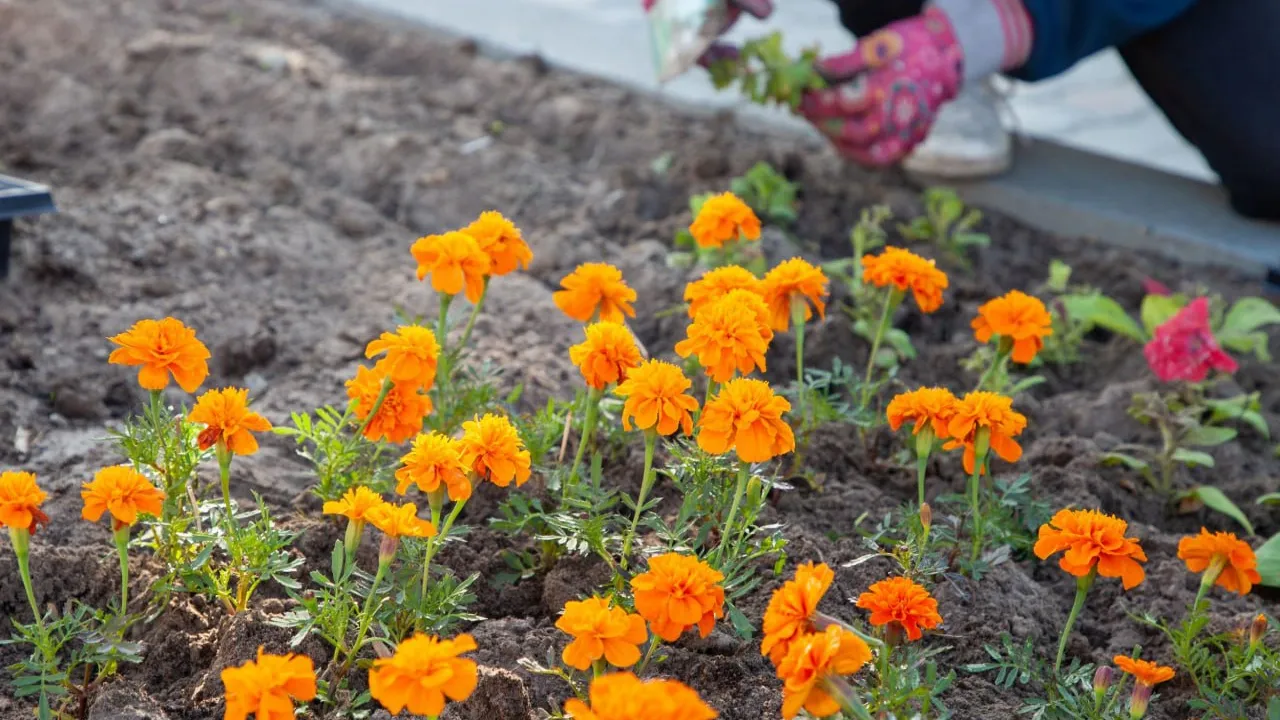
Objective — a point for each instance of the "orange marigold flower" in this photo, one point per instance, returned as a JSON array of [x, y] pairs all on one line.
[[422, 673], [1092, 539], [677, 593], [931, 407], [724, 218], [20, 501], [411, 356], [729, 335], [267, 687], [455, 263], [623, 696], [905, 270], [122, 491], [600, 631], [356, 504], [228, 420], [716, 283], [1224, 553], [606, 355], [434, 460], [595, 291], [746, 416], [1144, 672], [400, 521], [656, 397], [162, 348], [501, 240], [401, 413], [901, 601], [794, 280], [981, 410], [792, 607], [813, 659], [1019, 317], [492, 449]]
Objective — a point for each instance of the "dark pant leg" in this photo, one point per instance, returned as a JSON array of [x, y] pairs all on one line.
[[863, 17], [1215, 72]]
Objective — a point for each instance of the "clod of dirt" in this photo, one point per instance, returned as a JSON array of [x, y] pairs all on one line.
[[123, 700], [500, 694]]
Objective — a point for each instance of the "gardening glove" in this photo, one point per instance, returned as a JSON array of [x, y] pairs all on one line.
[[882, 97]]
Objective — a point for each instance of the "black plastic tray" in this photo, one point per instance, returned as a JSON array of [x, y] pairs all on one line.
[[18, 198]]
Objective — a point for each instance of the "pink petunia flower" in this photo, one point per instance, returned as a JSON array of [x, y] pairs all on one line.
[[1153, 286], [1184, 347]]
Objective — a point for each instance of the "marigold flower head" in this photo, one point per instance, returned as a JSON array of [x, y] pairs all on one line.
[[679, 592], [1184, 348], [600, 631], [595, 291], [905, 270], [455, 263], [422, 673], [267, 687], [794, 280], [729, 335], [162, 348], [435, 461], [228, 420], [746, 416], [724, 218], [792, 607], [656, 397], [401, 413], [1230, 556], [122, 491], [718, 282], [623, 696], [811, 661], [410, 356], [492, 449], [900, 601], [606, 355], [356, 504], [1092, 539], [992, 412], [399, 521], [1144, 672], [501, 241], [20, 501], [1020, 318], [931, 407]]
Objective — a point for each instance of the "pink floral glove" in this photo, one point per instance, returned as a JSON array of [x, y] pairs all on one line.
[[883, 96]]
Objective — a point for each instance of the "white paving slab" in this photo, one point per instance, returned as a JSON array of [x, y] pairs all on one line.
[[1097, 106]]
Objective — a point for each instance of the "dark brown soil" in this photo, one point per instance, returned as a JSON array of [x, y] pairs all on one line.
[[259, 169]]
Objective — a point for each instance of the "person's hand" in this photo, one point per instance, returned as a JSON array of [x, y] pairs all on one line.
[[882, 97], [759, 9]]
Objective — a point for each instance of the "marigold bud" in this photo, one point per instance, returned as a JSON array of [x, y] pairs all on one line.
[[387, 549], [1102, 679], [926, 516], [1139, 700], [1257, 629]]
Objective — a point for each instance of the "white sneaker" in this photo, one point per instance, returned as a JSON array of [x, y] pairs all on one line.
[[968, 139]]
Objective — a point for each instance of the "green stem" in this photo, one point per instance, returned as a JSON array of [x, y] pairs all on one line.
[[646, 484], [712, 388], [434, 543], [744, 473], [442, 323], [975, 505], [21, 540], [377, 405], [475, 314], [121, 537], [588, 427], [891, 300], [1082, 589], [1002, 359], [922, 469], [224, 476], [648, 654], [1208, 579], [366, 614], [797, 319]]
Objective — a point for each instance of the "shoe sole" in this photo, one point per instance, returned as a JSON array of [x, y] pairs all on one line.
[[957, 168]]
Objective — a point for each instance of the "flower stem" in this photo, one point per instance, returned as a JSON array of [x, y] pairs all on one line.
[[442, 322], [797, 318], [21, 541], [975, 506], [475, 314], [434, 543], [891, 300], [377, 405], [224, 476], [646, 484], [121, 537], [366, 613], [588, 427], [744, 473], [1082, 589], [648, 654], [1002, 359], [712, 388], [922, 469], [1216, 566]]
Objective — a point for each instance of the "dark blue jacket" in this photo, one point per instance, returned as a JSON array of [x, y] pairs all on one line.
[[1067, 31]]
